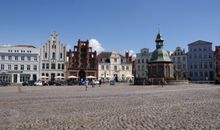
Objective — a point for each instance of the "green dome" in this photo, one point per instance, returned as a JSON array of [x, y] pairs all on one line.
[[160, 55]]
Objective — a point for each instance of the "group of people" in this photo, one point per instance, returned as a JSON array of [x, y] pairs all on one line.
[[93, 83]]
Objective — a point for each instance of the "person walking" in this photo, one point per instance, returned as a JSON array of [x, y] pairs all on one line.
[[100, 82], [86, 84], [162, 82]]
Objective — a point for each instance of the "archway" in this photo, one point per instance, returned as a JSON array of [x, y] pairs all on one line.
[[82, 74]]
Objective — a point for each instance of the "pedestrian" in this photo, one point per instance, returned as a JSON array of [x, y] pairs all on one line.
[[162, 82], [86, 84], [100, 82], [93, 83]]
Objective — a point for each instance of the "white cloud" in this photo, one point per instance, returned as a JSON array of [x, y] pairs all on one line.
[[68, 47], [96, 45], [132, 53]]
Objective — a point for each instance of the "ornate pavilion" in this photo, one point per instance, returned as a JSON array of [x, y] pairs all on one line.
[[160, 65]]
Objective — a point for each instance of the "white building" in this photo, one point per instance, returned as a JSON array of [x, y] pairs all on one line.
[[112, 65], [53, 55], [141, 63], [19, 63]]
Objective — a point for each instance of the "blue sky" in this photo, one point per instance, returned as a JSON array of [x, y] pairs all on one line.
[[117, 24]]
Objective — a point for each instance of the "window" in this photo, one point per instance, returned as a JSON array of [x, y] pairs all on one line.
[[210, 55], [205, 56], [138, 68], [47, 66], [35, 67], [102, 67], [16, 57], [196, 74], [195, 66], [173, 58], [190, 56], [200, 66], [28, 67], [178, 59], [210, 65], [43, 66], [200, 74], [22, 58], [191, 74], [205, 65], [206, 74], [22, 67], [9, 67], [24, 77], [127, 68], [53, 55], [61, 55], [15, 67], [59, 66], [53, 66], [138, 60], [115, 59], [184, 66], [35, 58], [62, 66], [107, 67], [29, 58], [45, 55], [9, 58], [184, 58], [142, 60], [123, 68], [3, 57], [200, 56], [2, 66], [54, 46]]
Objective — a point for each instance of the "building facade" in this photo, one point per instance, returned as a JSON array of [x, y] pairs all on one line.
[[141, 63], [217, 64], [82, 61], [200, 61], [179, 58], [19, 63], [53, 58], [160, 65], [112, 65]]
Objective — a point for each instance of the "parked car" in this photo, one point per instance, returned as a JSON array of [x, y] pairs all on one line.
[[28, 83], [96, 82], [60, 82], [38, 83], [112, 82], [4, 83], [50, 82]]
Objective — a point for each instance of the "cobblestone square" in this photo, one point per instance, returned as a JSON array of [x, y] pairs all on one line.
[[119, 107]]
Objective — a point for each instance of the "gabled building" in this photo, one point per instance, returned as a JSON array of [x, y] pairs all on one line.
[[201, 61], [141, 63], [53, 58], [179, 58], [112, 65], [82, 61]]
